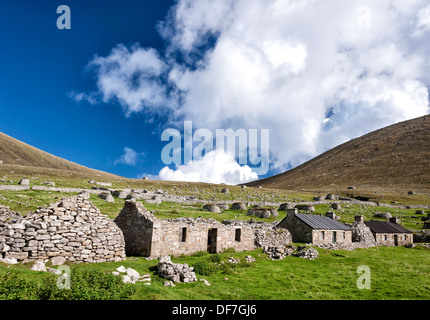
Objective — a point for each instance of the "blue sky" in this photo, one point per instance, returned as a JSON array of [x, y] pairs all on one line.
[[313, 74], [40, 64]]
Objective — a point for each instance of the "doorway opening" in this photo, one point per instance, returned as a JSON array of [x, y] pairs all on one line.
[[212, 240]]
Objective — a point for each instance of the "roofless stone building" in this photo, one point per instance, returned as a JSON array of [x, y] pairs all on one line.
[[148, 236]]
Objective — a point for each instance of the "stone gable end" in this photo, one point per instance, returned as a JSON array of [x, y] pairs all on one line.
[[73, 228]]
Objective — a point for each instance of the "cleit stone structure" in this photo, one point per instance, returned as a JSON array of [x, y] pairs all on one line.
[[73, 229]]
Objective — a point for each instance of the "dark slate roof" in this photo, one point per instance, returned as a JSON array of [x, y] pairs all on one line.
[[320, 222], [385, 227]]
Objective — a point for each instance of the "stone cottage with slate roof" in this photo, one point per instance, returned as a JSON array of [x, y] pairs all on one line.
[[390, 233], [317, 230]]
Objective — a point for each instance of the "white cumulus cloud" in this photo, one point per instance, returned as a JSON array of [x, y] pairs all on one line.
[[215, 167], [314, 73], [129, 157]]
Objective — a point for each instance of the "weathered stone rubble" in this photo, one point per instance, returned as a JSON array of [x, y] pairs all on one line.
[[130, 275], [280, 252], [175, 272], [72, 228], [309, 254]]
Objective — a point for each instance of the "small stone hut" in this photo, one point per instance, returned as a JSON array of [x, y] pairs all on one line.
[[390, 233], [72, 228], [148, 236], [317, 230]]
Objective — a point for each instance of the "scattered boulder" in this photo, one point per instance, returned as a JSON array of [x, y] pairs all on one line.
[[130, 275], [133, 274], [205, 282], [212, 208], [39, 265], [58, 260], [9, 260], [238, 206], [121, 269], [420, 212], [225, 190]]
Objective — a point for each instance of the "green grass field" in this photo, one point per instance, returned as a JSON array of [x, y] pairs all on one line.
[[395, 273]]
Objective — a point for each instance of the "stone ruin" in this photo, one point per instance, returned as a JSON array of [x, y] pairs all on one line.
[[148, 236], [72, 228], [175, 272], [361, 233], [280, 252]]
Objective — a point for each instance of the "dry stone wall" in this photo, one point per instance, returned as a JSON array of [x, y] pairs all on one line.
[[72, 228]]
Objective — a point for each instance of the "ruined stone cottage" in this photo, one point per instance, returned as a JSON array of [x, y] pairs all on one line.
[[72, 228], [148, 236]]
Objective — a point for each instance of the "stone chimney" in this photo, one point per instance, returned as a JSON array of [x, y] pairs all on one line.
[[292, 211], [331, 215], [395, 220], [359, 218]]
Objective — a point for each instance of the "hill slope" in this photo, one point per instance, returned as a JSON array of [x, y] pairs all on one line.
[[21, 157], [394, 157]]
